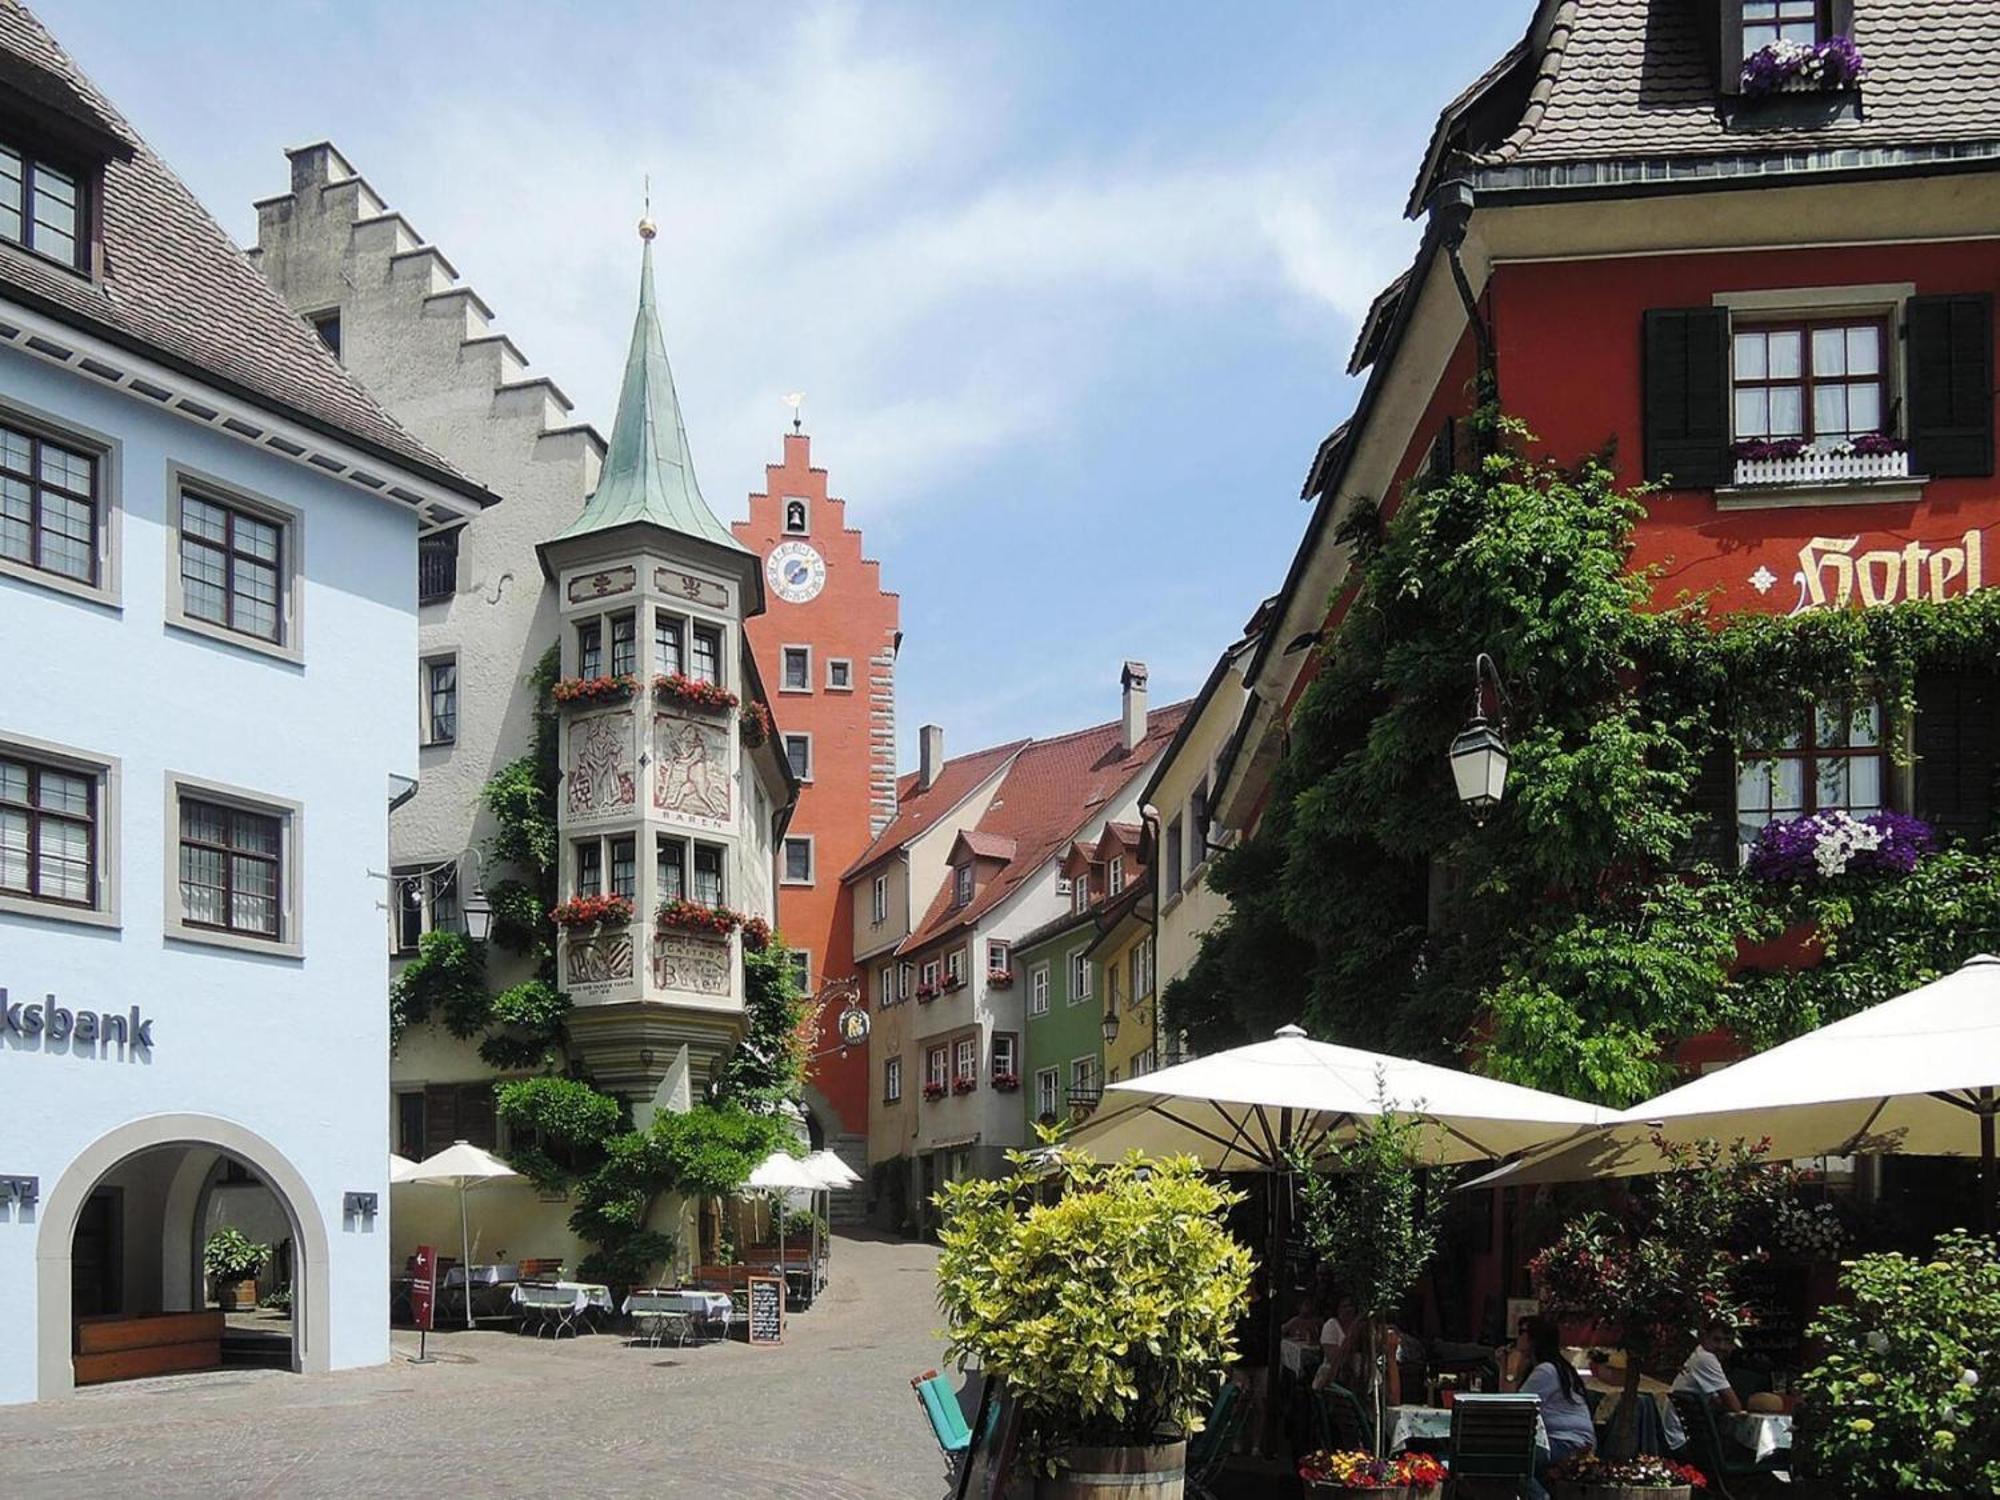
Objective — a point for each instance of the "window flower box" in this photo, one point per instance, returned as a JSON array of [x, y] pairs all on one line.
[[1829, 844], [1792, 461], [754, 726], [934, 1092], [999, 979], [964, 1085], [953, 982], [690, 692], [593, 911], [926, 993], [588, 692], [1803, 68], [694, 916], [1007, 1083]]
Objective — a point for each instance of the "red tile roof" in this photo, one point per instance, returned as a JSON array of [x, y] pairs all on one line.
[[987, 845], [1053, 788], [918, 810]]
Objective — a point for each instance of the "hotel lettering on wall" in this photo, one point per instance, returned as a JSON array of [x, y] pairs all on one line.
[[1839, 573]]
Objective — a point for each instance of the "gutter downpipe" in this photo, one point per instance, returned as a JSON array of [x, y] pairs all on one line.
[[1450, 207]]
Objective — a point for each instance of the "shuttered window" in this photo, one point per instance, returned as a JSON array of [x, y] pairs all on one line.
[[1951, 384], [1687, 396], [459, 1112], [1954, 738]]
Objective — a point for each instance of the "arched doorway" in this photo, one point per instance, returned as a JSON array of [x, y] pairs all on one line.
[[121, 1241]]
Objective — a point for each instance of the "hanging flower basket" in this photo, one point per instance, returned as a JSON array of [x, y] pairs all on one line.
[[593, 911], [754, 725], [756, 934], [999, 979], [1803, 67], [690, 692], [1406, 1476], [1588, 1477], [934, 1092], [583, 692], [694, 916]]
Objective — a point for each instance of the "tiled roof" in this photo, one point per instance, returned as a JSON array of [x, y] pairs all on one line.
[[1055, 927], [175, 287], [1052, 789], [918, 810], [1630, 79], [987, 845]]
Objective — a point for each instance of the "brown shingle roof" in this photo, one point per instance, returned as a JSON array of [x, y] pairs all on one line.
[[1052, 789], [177, 288], [918, 809]]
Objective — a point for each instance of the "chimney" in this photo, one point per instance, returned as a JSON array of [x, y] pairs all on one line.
[[1133, 679], [930, 755]]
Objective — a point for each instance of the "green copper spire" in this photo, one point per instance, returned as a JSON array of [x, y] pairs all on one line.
[[648, 472]]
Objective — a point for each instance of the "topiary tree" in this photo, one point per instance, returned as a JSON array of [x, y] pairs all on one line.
[[1110, 1312]]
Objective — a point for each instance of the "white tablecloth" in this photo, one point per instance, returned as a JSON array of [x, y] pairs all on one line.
[[1407, 1424], [1299, 1357], [713, 1306], [581, 1295], [483, 1275], [1763, 1433]]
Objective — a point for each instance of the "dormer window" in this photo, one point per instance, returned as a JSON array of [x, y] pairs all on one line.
[[1080, 893], [1769, 21], [961, 884], [42, 208]]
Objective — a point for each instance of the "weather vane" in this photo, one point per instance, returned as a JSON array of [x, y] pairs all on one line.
[[647, 228], [795, 401]]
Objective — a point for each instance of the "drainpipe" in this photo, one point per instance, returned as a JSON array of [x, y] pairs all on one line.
[[1149, 818], [1450, 209]]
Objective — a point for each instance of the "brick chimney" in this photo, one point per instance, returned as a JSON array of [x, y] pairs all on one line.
[[1133, 680], [930, 755]]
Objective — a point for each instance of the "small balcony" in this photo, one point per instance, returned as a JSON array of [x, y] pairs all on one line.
[[437, 566], [1083, 1098], [1817, 466]]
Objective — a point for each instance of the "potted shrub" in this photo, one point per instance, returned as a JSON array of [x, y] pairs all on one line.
[[1109, 1312], [232, 1259], [1646, 1477], [1407, 1476]]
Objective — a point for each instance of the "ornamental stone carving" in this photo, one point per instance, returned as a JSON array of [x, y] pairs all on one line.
[[686, 961], [603, 959], [600, 779], [691, 782]]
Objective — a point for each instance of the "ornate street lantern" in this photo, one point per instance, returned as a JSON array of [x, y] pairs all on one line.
[[478, 912], [1479, 753], [1110, 1026]]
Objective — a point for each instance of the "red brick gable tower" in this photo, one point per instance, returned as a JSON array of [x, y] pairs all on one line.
[[826, 646]]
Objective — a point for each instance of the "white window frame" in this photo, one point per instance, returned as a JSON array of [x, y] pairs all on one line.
[[937, 1067], [965, 1059], [785, 654], [905, 977], [928, 974], [1048, 1092], [1114, 875], [108, 772], [1084, 1072], [954, 966], [1079, 975], [1013, 1050], [845, 664], [885, 985], [290, 645], [289, 943], [432, 874], [1038, 989], [892, 1080], [785, 876], [1080, 893], [878, 904], [109, 455], [792, 734], [999, 956], [962, 885]]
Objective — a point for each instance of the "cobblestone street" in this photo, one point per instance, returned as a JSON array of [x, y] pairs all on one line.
[[827, 1415]]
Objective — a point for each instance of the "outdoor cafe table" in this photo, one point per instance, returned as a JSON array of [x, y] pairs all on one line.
[[656, 1310], [1763, 1433], [563, 1303], [487, 1298]]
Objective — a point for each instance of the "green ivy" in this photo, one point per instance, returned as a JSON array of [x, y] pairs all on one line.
[[447, 979]]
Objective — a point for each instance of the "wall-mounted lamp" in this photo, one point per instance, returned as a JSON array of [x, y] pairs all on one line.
[[1109, 1026], [1479, 753], [478, 914], [25, 1192]]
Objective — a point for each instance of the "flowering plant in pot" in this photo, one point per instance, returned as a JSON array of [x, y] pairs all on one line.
[[756, 934], [1835, 63], [1644, 1477], [1406, 1476], [1827, 845], [232, 1259], [927, 992], [953, 982], [592, 911], [935, 1091], [697, 916], [964, 1085], [999, 979], [1109, 1313], [754, 725], [692, 692], [1007, 1083], [615, 688]]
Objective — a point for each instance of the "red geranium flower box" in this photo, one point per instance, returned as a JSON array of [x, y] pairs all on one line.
[[934, 1092], [999, 979], [585, 691], [965, 1085], [592, 911], [693, 916], [691, 692], [1007, 1083]]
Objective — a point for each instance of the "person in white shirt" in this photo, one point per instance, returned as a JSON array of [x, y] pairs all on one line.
[[1704, 1376], [1341, 1354], [1535, 1366]]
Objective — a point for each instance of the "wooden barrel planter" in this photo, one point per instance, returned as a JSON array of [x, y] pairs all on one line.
[[1154, 1473]]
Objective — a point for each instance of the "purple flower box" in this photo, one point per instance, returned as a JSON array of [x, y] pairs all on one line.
[[1833, 64], [1823, 845]]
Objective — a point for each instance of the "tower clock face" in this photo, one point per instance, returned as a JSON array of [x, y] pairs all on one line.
[[796, 572]]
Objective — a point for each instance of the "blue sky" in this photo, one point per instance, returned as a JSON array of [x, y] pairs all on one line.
[[1069, 288]]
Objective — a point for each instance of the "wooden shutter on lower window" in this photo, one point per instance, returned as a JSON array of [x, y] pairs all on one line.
[[440, 1117], [1713, 803], [477, 1125], [1950, 354], [1687, 396], [1958, 719]]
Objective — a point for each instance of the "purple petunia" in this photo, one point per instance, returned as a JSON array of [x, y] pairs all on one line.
[[1835, 63], [1824, 845]]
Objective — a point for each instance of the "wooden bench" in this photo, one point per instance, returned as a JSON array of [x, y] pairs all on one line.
[[113, 1347]]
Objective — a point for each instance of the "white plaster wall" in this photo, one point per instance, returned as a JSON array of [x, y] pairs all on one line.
[[293, 1050]]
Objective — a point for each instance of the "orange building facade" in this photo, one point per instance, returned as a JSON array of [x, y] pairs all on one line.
[[826, 648]]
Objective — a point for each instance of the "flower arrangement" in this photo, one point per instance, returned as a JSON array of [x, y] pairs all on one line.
[[1835, 63], [592, 911], [1872, 443], [953, 982], [964, 1084], [999, 979], [1647, 1471], [934, 1092], [754, 725], [927, 993], [1808, 1232], [1830, 844], [1352, 1469], [1865, 445], [756, 934], [695, 916], [1006, 1083], [691, 692], [590, 690]]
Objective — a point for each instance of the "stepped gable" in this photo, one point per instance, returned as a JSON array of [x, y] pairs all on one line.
[[1052, 790], [177, 288]]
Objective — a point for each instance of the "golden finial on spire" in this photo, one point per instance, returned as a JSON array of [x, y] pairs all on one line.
[[647, 228]]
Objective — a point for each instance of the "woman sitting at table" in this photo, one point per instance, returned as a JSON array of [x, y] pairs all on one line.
[[1535, 1366]]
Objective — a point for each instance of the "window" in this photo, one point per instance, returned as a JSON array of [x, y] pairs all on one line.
[[590, 868], [437, 566], [997, 957], [905, 977], [1005, 1054], [327, 326], [954, 966], [802, 969], [670, 869], [795, 515], [961, 884], [48, 505], [441, 701], [1114, 880], [1083, 1088], [1198, 823], [1038, 990], [884, 986], [707, 656], [929, 974], [50, 831], [708, 874], [669, 654], [1141, 965], [1821, 381], [840, 675], [232, 568], [968, 1059], [799, 751], [1048, 1085], [1768, 21], [624, 868], [590, 649], [231, 868], [624, 646], [1173, 842], [1113, 982], [410, 1124], [1834, 760], [878, 901], [892, 1080], [42, 209], [426, 901], [1146, 1062], [937, 1065], [798, 861], [1079, 977], [797, 670]]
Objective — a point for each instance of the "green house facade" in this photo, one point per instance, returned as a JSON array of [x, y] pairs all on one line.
[[1062, 1068]]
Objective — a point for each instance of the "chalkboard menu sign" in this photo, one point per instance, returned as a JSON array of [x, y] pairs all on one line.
[[767, 1310], [1776, 1295]]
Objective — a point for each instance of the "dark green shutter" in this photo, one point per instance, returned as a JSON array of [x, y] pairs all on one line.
[[1951, 384], [1687, 396], [1730, 52], [440, 1117], [1958, 719], [1713, 803]]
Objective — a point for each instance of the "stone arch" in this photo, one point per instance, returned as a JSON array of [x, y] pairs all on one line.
[[311, 1342]]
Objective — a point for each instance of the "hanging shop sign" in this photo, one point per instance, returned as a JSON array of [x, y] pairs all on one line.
[[45, 1020]]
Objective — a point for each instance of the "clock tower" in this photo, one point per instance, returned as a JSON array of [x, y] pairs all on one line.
[[826, 649]]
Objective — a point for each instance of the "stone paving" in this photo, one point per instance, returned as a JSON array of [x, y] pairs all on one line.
[[828, 1415]]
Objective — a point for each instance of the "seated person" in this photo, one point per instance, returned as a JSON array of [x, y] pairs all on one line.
[[1535, 1366], [1342, 1359], [1704, 1376], [1304, 1326]]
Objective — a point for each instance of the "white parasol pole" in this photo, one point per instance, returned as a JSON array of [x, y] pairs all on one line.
[[465, 1243], [784, 1283]]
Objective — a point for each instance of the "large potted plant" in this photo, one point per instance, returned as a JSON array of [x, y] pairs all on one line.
[[1354, 1475], [232, 1259], [1646, 1477], [1107, 1311]]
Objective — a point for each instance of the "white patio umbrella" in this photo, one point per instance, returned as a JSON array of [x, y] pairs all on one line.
[[463, 1166], [833, 1174], [1918, 1075], [1248, 1109], [783, 1173], [400, 1168]]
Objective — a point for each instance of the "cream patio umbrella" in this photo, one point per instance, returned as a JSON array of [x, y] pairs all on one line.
[[781, 1173], [1250, 1108], [833, 1174], [400, 1168], [1918, 1075], [463, 1166]]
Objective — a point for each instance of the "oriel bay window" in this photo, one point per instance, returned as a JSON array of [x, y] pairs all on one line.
[[674, 859], [708, 874], [49, 830], [232, 572], [624, 868], [1835, 760], [590, 868], [670, 866], [48, 505]]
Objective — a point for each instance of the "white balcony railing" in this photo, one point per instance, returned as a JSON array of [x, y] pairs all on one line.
[[1815, 467]]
